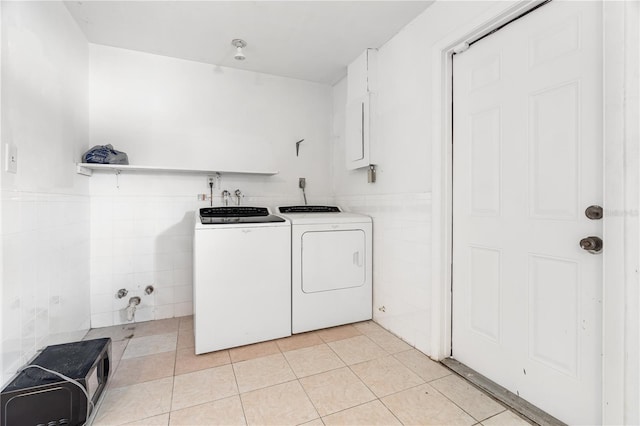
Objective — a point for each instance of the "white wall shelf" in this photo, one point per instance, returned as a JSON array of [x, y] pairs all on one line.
[[87, 169]]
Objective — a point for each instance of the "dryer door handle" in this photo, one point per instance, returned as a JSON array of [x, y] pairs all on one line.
[[356, 259]]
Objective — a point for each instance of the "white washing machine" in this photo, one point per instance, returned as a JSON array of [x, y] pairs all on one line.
[[331, 267], [241, 277]]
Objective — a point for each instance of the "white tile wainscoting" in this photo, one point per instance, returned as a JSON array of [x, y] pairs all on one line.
[[136, 242], [138, 239], [54, 245], [401, 261], [45, 257]]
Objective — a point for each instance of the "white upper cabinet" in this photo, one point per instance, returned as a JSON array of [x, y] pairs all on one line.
[[361, 88]]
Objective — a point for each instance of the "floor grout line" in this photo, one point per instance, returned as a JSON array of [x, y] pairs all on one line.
[[460, 407], [173, 384], [391, 411], [235, 377], [355, 406]]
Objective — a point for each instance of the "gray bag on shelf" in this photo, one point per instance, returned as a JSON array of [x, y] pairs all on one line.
[[105, 154]]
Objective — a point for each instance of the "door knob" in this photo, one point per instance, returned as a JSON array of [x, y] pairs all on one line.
[[591, 244]]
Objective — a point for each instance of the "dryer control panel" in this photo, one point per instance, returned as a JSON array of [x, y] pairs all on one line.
[[309, 209]]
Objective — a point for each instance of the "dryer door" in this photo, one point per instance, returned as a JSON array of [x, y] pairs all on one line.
[[332, 260]]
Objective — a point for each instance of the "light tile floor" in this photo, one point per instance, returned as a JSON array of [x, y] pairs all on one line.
[[357, 374]]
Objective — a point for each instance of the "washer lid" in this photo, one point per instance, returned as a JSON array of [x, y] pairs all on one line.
[[300, 215], [230, 215]]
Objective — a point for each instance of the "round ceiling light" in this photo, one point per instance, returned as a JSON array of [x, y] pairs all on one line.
[[239, 45]]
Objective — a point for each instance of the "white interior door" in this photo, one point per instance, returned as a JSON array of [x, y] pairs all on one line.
[[527, 156]]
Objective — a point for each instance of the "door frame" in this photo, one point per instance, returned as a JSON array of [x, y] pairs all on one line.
[[620, 298]]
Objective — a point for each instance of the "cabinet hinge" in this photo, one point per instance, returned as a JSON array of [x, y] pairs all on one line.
[[462, 47]]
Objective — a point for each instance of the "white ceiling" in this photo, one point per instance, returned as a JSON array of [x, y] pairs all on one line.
[[308, 40]]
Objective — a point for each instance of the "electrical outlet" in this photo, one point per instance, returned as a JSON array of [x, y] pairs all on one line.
[[211, 180], [11, 158], [302, 183]]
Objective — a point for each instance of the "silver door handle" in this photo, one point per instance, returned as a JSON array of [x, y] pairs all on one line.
[[591, 244]]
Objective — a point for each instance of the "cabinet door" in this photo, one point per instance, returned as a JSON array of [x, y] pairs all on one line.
[[362, 75], [357, 81], [355, 131], [332, 260], [358, 132]]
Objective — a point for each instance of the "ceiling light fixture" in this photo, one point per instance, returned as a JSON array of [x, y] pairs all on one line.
[[239, 44]]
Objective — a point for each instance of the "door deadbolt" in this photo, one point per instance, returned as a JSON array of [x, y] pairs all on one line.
[[593, 212], [591, 244]]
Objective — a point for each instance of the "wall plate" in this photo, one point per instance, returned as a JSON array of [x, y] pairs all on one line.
[[11, 158]]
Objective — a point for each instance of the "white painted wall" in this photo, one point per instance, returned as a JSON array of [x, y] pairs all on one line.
[[631, 130], [2, 378], [170, 112], [45, 206], [400, 201]]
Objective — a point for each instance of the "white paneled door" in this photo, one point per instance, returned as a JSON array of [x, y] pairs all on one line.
[[527, 162]]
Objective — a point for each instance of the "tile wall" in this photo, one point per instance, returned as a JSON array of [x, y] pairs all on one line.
[[139, 241], [401, 261], [45, 257], [142, 234]]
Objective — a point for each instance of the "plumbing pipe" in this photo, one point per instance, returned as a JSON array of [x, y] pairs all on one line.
[[239, 195], [225, 197], [131, 309]]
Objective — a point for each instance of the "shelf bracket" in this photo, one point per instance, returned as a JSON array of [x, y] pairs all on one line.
[[298, 146], [81, 170]]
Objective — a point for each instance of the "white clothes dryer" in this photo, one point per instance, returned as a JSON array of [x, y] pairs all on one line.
[[331, 267]]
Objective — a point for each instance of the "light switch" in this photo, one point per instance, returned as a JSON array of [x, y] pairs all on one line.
[[11, 158]]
